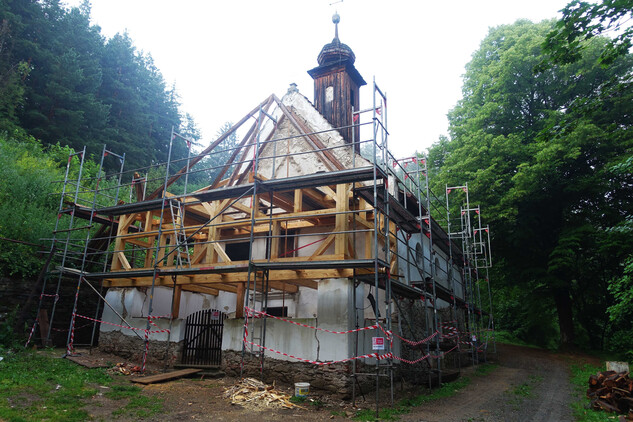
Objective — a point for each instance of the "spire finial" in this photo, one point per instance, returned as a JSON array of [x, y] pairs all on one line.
[[336, 19]]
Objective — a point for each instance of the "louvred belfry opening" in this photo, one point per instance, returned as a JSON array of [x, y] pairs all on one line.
[[336, 86]]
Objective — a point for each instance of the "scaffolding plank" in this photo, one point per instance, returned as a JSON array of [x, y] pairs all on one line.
[[166, 376]]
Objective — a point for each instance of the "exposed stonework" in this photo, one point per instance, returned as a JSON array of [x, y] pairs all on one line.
[[334, 379], [331, 378], [132, 348]]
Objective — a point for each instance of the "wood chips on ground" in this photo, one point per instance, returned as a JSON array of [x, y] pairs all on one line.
[[254, 393]]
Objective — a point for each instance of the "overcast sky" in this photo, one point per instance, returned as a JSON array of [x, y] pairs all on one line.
[[226, 57]]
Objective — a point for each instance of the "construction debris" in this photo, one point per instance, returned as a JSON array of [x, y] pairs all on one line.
[[123, 368], [612, 392], [250, 391]]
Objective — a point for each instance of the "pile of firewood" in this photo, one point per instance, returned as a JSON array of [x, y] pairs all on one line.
[[250, 391], [612, 392]]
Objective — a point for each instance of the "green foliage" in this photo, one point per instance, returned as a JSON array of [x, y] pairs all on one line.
[[580, 406], [36, 387], [64, 83], [583, 21], [8, 337], [537, 149], [27, 209]]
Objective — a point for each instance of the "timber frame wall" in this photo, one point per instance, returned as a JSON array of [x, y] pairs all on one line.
[[174, 239]]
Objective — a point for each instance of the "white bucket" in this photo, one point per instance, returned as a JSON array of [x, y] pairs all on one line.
[[302, 389]]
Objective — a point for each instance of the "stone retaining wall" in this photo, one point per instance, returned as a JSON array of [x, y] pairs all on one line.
[[133, 348]]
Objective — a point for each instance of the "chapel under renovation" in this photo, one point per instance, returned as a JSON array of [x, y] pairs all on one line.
[[293, 247]]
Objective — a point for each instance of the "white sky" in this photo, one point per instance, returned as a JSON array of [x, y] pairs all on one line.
[[226, 57]]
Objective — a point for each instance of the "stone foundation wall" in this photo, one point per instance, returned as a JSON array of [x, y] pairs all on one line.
[[333, 379], [133, 348]]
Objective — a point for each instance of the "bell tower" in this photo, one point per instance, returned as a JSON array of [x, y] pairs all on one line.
[[336, 86]]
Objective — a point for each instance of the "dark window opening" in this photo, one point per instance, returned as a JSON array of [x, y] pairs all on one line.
[[278, 311], [351, 98], [238, 251]]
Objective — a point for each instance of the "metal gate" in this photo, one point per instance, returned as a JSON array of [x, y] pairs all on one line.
[[203, 338]]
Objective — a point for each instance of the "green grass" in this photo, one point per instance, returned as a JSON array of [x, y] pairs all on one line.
[[35, 387], [406, 405], [486, 368], [580, 406]]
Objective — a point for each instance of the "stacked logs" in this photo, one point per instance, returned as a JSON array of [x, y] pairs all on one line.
[[612, 391]]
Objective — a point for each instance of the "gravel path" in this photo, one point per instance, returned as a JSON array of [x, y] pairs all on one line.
[[529, 385]]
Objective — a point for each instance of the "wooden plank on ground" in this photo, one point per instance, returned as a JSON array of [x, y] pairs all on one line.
[[166, 376]]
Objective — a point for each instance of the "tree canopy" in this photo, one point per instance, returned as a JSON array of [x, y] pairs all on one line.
[[541, 167], [63, 82], [582, 21]]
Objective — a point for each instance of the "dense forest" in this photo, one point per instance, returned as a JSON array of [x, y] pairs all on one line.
[[542, 136], [62, 82]]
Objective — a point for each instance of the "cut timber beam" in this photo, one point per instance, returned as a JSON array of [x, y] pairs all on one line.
[[208, 149], [199, 289], [297, 277]]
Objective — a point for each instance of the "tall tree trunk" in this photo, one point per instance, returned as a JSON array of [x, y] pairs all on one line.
[[565, 317]]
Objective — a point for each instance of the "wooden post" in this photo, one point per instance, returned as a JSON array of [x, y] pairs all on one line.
[[274, 242], [342, 206], [239, 303], [177, 293], [298, 200]]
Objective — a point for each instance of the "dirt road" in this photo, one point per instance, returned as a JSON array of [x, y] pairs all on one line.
[[529, 385]]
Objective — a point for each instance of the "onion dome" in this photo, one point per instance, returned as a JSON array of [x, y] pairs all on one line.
[[336, 51]]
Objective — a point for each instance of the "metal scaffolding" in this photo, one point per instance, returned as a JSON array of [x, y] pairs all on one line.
[[159, 238]]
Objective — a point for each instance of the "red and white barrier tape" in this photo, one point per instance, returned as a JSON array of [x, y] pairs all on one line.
[[411, 362], [31, 333], [417, 343], [124, 326], [160, 316]]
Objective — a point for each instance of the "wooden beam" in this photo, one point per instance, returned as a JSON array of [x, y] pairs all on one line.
[[223, 281], [274, 241], [199, 157], [218, 249], [123, 260], [236, 151], [322, 247], [175, 310], [280, 285], [199, 289], [298, 205], [342, 206], [239, 301]]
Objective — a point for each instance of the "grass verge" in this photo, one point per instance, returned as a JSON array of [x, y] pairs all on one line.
[[448, 389], [35, 387], [580, 406]]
